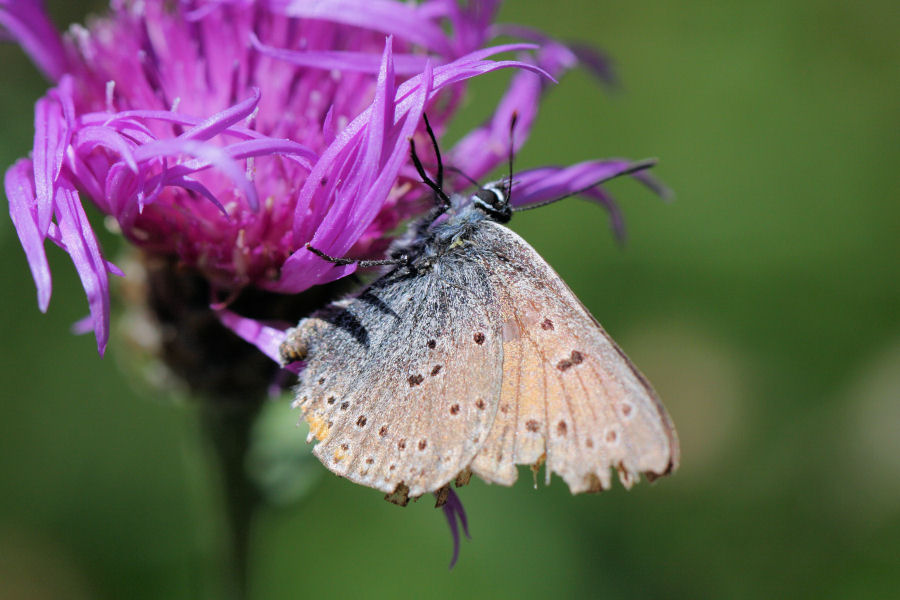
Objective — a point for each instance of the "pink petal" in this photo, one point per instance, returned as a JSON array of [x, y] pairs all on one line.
[[81, 244], [547, 183], [88, 138], [393, 18], [50, 142], [364, 62], [550, 183], [264, 336], [19, 184], [208, 155], [219, 122]]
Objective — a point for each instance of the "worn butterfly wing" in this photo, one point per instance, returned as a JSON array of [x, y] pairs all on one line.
[[401, 382], [569, 395]]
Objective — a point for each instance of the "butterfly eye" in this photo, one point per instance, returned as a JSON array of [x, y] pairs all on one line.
[[493, 200]]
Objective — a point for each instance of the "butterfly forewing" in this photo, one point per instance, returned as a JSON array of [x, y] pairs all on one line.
[[569, 395], [401, 383]]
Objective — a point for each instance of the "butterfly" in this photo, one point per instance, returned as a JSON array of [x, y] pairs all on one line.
[[471, 356]]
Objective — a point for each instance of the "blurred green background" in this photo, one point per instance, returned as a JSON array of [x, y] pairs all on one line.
[[764, 304]]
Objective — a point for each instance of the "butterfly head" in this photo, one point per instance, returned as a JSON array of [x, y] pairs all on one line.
[[493, 200]]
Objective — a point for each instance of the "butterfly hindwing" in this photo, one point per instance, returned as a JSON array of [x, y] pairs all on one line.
[[569, 395], [401, 382]]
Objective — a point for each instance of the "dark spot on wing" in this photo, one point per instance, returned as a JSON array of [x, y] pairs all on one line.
[[479, 338], [431, 344], [361, 421], [344, 405], [415, 380], [576, 358], [532, 425], [423, 444], [345, 446], [504, 408], [454, 410], [547, 325], [480, 404], [383, 431], [626, 409], [611, 436], [589, 442], [331, 399], [370, 461], [401, 444], [323, 182], [435, 370], [393, 467], [562, 428], [321, 380]]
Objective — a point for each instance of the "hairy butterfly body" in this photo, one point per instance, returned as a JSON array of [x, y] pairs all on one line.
[[472, 355]]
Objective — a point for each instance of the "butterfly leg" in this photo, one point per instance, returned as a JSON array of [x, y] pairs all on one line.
[[403, 259]]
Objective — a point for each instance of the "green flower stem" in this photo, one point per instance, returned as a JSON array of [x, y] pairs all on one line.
[[228, 429]]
